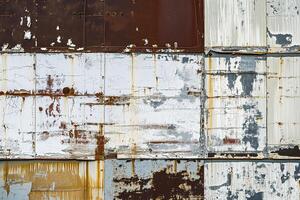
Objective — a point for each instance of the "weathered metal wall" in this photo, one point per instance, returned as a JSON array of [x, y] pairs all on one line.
[[149, 99]]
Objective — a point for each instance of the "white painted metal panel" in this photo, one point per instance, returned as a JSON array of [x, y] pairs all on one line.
[[235, 23], [81, 72], [17, 121], [156, 112], [252, 180], [283, 19], [17, 73], [236, 103], [283, 101]]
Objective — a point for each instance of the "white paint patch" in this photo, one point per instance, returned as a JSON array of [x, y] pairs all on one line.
[[58, 39], [21, 21], [28, 21], [27, 35], [70, 43]]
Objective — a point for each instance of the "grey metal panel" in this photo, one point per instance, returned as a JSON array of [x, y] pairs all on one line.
[[154, 179], [283, 20], [283, 104], [236, 104], [252, 180], [235, 23]]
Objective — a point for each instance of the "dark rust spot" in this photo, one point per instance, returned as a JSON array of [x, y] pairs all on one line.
[[40, 109], [163, 185], [68, 91], [293, 152]]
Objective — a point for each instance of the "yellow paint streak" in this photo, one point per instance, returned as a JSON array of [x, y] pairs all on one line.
[[210, 96], [58, 180]]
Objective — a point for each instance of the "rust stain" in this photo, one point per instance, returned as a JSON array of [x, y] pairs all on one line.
[[163, 184], [99, 151], [228, 140]]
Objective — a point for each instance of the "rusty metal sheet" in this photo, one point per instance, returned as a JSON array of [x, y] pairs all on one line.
[[102, 26], [283, 102], [17, 24], [252, 180], [283, 19], [25, 180], [235, 104], [153, 106], [235, 23], [159, 179]]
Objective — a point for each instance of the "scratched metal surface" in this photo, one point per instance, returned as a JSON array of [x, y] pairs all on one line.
[[252, 180], [101, 25], [235, 23]]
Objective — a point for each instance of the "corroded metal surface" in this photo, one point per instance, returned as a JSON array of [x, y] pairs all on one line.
[[101, 25], [173, 179]]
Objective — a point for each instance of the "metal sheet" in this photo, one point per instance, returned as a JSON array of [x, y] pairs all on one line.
[[155, 109], [283, 102], [283, 25], [252, 180], [172, 179], [235, 23], [102, 26], [70, 105], [51, 180], [236, 104]]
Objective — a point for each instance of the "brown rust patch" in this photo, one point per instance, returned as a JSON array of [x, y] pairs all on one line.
[[228, 140], [107, 26], [68, 91], [164, 184], [116, 100], [99, 151]]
